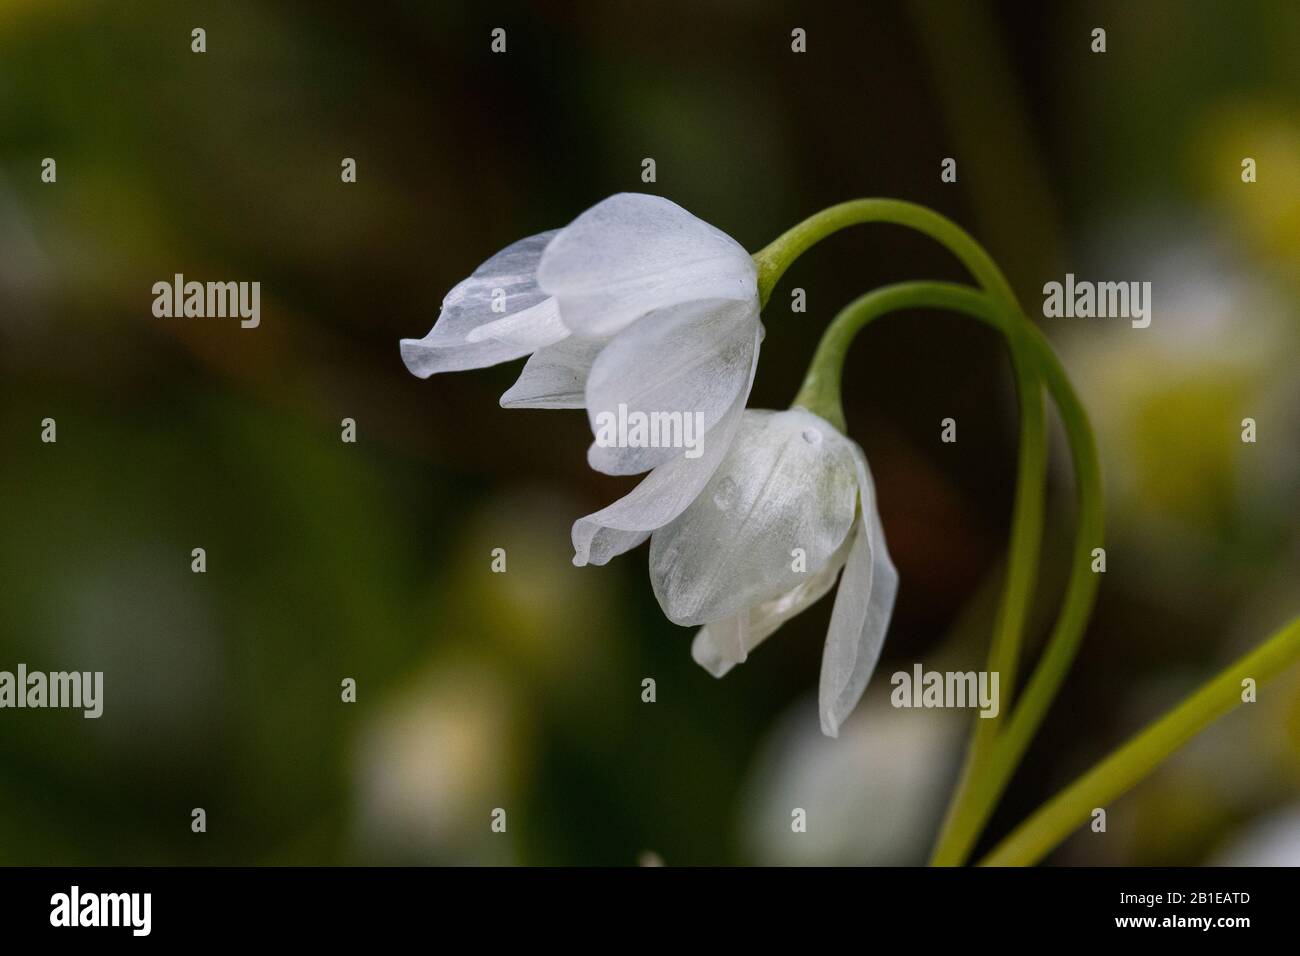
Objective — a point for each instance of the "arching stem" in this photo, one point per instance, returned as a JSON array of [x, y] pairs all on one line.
[[987, 773], [821, 392]]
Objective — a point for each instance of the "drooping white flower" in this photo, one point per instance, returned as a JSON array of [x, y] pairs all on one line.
[[635, 306], [788, 507]]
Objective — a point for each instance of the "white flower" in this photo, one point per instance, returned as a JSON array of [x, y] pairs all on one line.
[[636, 303], [790, 484], [877, 793]]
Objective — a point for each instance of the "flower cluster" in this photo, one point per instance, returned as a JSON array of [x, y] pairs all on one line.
[[639, 308]]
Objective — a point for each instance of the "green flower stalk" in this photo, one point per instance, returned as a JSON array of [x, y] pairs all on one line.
[[989, 768], [821, 393], [997, 746], [1128, 765]]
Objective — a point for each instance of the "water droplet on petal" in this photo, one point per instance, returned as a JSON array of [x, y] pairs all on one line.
[[812, 436], [724, 496]]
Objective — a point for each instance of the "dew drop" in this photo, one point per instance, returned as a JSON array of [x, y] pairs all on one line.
[[812, 436], [724, 496]]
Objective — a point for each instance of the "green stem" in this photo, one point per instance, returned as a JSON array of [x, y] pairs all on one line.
[[987, 773], [1026, 527], [1005, 752], [776, 257], [821, 394], [1128, 765]]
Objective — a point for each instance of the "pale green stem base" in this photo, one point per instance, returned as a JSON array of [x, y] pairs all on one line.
[[1054, 821]]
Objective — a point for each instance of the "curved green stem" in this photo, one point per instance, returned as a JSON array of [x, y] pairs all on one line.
[[1007, 749], [1128, 765], [776, 257], [821, 394], [1013, 613], [988, 770]]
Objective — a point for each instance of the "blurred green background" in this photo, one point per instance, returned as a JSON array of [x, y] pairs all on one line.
[[372, 561]]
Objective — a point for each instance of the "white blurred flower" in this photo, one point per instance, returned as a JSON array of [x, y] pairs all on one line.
[[635, 303], [433, 761], [790, 505], [1271, 841], [874, 797]]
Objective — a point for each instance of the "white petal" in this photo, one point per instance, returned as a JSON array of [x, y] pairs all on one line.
[[511, 273], [860, 618], [788, 483], [631, 254], [712, 647], [678, 369], [554, 376], [533, 328], [720, 646], [661, 496]]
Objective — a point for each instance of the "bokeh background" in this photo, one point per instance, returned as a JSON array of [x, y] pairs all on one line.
[[372, 561]]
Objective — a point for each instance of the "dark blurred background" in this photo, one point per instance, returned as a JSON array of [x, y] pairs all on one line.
[[372, 560]]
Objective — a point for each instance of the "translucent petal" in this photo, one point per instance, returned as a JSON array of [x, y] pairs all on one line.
[[860, 618], [675, 371], [788, 482], [720, 646], [631, 254], [533, 328], [509, 278], [662, 495], [713, 645], [555, 376]]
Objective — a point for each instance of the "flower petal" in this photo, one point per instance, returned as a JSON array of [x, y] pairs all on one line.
[[510, 276], [554, 376], [713, 645], [677, 370], [661, 496], [631, 254], [721, 645], [788, 483], [860, 618], [533, 328]]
